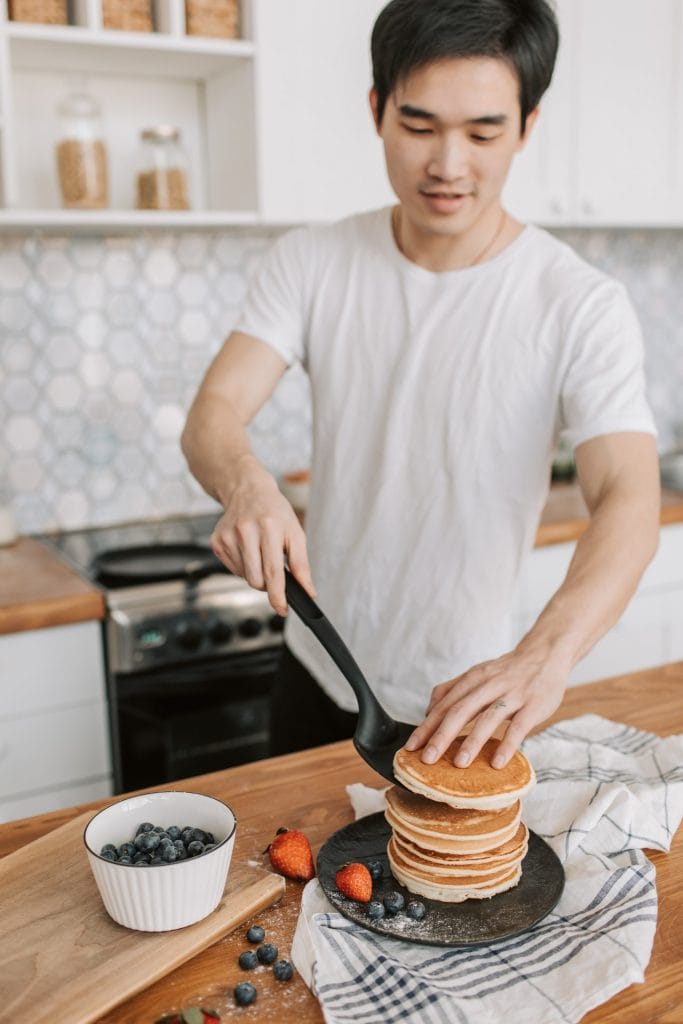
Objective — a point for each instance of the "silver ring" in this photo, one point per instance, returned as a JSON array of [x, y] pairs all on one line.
[[500, 704]]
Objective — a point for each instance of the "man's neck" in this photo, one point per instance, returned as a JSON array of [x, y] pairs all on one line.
[[442, 252]]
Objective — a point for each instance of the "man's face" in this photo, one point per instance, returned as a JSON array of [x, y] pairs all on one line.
[[450, 131]]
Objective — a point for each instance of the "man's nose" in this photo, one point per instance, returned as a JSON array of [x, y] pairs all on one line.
[[448, 159]]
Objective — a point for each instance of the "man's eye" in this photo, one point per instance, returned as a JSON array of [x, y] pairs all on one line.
[[417, 131], [483, 138]]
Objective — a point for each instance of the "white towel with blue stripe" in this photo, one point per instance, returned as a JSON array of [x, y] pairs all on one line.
[[605, 793]]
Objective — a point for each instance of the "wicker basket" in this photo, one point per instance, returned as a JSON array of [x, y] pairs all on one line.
[[128, 15], [213, 18], [46, 12]]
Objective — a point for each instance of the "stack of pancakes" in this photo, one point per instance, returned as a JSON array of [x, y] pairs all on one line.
[[458, 834]]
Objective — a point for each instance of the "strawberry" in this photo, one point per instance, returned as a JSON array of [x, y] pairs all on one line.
[[355, 882], [291, 856]]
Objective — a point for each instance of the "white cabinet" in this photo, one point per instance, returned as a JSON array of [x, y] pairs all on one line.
[[319, 155], [608, 146], [54, 740], [650, 631], [276, 124]]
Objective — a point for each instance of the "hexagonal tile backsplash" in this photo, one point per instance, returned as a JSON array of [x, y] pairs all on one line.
[[103, 342]]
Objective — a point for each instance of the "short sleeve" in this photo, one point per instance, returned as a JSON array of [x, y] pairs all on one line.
[[275, 306], [603, 389]]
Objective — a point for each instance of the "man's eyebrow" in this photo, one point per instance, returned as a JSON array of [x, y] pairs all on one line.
[[408, 110]]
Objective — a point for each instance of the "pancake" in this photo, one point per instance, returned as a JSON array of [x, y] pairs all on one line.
[[435, 826], [450, 888], [436, 866], [478, 786], [514, 849]]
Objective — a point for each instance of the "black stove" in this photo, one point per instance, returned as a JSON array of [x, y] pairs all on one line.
[[191, 651]]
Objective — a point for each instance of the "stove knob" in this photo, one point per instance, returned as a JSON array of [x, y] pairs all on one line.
[[276, 624], [220, 632], [250, 627], [188, 635]]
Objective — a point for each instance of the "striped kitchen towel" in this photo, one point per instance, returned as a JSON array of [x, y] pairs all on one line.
[[605, 792]]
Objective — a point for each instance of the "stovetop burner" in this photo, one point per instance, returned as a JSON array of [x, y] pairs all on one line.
[[83, 549]]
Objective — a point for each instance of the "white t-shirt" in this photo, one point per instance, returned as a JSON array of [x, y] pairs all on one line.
[[438, 399]]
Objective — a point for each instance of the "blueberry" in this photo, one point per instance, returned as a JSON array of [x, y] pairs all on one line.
[[209, 837], [164, 842], [245, 993], [267, 953], [186, 835], [169, 854], [127, 850], [109, 852], [158, 829], [125, 860], [375, 910], [147, 841], [256, 933], [248, 959], [141, 863], [416, 910], [394, 902], [180, 849], [141, 858], [146, 826], [283, 970], [195, 848], [173, 832], [198, 835], [376, 869]]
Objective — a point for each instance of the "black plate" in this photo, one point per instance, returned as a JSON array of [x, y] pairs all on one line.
[[471, 923]]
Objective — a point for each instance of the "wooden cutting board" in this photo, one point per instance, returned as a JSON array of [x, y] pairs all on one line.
[[62, 958]]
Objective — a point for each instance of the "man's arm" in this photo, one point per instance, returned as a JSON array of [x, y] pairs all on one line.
[[619, 479], [258, 525]]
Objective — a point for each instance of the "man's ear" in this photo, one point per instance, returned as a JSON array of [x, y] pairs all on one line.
[[373, 107], [530, 122]]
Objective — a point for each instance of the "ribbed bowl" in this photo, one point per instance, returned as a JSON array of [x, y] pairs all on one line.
[[160, 897]]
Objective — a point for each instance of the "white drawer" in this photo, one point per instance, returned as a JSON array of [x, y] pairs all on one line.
[[58, 747], [49, 668]]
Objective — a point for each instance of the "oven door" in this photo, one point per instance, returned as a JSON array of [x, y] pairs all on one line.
[[172, 723]]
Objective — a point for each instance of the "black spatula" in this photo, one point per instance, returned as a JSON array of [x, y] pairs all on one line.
[[377, 736]]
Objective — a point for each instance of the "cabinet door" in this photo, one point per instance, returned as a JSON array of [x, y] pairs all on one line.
[[541, 181], [318, 155], [629, 120]]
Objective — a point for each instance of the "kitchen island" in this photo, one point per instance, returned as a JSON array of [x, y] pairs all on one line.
[[306, 791]]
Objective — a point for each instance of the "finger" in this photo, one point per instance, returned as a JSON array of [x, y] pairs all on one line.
[[517, 731], [272, 558], [484, 727], [226, 553], [297, 556], [247, 537], [448, 695], [449, 728]]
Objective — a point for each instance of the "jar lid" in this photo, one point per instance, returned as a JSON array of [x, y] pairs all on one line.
[[166, 132]]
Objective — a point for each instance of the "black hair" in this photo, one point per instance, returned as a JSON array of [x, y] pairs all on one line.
[[409, 34]]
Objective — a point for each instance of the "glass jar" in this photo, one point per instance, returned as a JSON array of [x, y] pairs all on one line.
[[81, 152], [162, 180]]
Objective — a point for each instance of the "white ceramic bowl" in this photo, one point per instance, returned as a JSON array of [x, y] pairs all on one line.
[[164, 896]]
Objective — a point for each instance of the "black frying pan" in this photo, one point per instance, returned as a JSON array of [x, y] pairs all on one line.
[[377, 736], [154, 563]]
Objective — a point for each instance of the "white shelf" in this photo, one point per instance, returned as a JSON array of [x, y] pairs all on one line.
[[123, 221], [106, 51]]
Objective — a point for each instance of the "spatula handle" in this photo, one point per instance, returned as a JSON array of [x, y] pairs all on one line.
[[374, 728]]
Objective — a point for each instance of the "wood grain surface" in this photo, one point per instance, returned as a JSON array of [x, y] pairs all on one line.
[[306, 791], [63, 958], [565, 516], [39, 590]]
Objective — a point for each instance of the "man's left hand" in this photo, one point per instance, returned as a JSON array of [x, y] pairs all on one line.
[[521, 688]]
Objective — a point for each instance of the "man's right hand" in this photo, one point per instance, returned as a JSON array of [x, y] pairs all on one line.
[[257, 529]]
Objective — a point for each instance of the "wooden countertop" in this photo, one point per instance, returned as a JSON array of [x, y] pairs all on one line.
[[306, 791], [37, 589], [565, 515]]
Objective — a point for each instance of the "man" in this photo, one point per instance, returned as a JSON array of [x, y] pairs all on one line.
[[448, 347]]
